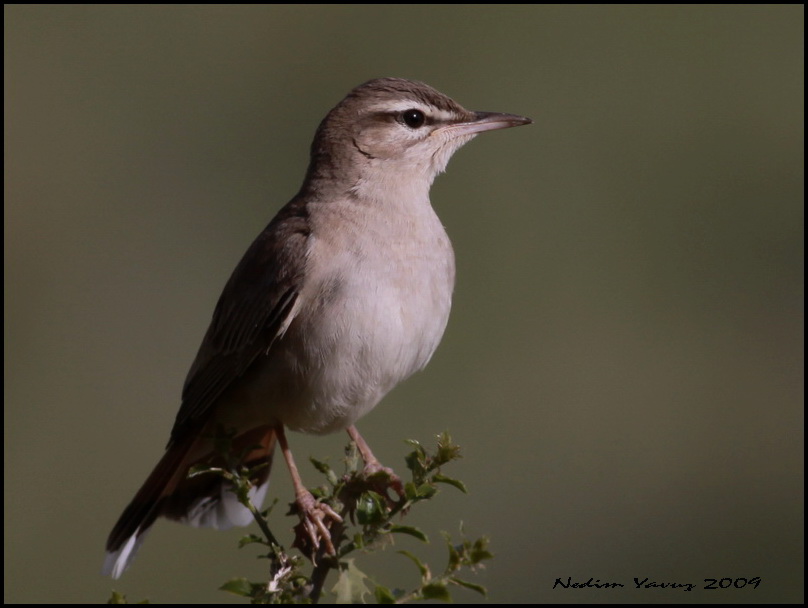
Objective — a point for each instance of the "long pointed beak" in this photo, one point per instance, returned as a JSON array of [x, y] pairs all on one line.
[[487, 121]]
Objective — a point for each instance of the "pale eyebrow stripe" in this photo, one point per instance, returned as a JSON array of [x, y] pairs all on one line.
[[434, 113]]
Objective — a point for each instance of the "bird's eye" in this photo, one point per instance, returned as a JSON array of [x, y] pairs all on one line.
[[414, 119]]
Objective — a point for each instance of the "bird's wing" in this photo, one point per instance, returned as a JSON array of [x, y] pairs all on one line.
[[252, 312]]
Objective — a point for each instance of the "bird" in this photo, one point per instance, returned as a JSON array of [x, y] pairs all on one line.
[[343, 295]]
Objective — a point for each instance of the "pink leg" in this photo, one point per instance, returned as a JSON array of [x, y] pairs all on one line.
[[314, 515], [372, 465]]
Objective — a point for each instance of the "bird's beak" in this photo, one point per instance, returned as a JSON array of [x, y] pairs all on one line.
[[486, 121]]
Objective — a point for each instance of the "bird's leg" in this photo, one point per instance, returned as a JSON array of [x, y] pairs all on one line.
[[315, 517], [372, 464]]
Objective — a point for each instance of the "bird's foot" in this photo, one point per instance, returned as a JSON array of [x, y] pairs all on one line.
[[379, 477], [316, 520], [383, 478]]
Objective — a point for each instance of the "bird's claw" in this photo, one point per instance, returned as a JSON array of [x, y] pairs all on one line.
[[385, 479], [316, 518]]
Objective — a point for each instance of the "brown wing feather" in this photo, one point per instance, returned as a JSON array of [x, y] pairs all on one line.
[[252, 309], [251, 312]]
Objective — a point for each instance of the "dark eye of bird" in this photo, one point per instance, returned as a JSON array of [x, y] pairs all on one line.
[[414, 119]]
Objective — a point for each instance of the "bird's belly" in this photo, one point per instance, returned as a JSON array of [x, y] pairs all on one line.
[[351, 343]]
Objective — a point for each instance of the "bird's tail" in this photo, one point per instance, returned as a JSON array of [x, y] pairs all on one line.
[[202, 501]]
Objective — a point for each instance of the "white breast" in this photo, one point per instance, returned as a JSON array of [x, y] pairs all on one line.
[[370, 315]]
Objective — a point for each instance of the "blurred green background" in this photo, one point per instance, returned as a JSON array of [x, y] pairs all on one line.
[[624, 362]]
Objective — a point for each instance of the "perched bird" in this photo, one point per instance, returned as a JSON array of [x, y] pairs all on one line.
[[342, 296]]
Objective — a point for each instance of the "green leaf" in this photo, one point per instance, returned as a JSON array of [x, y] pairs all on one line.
[[265, 513], [455, 557], [478, 588], [436, 591], [358, 540], [421, 566], [250, 539], [321, 466], [201, 469], [425, 491], [447, 451], [438, 478], [411, 530], [117, 598], [238, 586], [352, 458], [383, 595], [370, 509], [416, 461], [350, 587], [479, 551], [410, 491], [320, 492]]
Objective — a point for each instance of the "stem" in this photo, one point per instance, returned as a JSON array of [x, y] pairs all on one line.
[[324, 563], [318, 577], [260, 520]]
